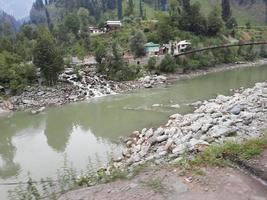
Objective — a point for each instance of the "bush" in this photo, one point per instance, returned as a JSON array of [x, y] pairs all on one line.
[[168, 64], [14, 74], [151, 65]]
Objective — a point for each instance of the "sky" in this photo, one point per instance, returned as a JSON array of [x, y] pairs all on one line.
[[18, 8]]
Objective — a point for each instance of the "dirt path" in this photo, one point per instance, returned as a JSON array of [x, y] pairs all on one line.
[[166, 184]]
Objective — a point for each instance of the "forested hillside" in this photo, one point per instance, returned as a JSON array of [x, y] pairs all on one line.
[[8, 23], [59, 30]]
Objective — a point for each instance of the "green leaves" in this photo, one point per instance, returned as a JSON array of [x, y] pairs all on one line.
[[47, 57]]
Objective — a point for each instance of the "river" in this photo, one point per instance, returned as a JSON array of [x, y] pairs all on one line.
[[88, 132]]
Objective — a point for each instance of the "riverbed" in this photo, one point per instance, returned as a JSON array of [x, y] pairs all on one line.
[[89, 132]]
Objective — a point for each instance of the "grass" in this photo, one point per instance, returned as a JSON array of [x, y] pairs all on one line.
[[215, 154]]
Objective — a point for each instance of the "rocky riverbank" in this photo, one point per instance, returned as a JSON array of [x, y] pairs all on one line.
[[236, 118], [74, 86], [85, 83]]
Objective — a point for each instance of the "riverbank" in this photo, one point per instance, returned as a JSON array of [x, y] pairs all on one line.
[[86, 83], [226, 118], [188, 143]]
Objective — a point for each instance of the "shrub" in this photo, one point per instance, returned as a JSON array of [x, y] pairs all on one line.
[[151, 65], [168, 64]]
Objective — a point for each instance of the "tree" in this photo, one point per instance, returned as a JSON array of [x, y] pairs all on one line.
[[226, 10], [141, 8], [83, 14], [137, 43], [72, 23], [120, 9], [47, 57], [192, 20], [49, 22], [168, 64], [130, 8], [215, 22], [174, 10], [100, 53]]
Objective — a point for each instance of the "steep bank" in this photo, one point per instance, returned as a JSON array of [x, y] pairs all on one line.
[[87, 83]]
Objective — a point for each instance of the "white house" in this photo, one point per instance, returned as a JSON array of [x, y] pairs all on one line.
[[177, 47], [183, 45]]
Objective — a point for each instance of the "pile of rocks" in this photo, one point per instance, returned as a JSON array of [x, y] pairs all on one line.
[[150, 81], [88, 82], [237, 117], [76, 85]]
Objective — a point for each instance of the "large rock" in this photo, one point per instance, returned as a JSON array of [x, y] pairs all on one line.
[[179, 149], [236, 109], [219, 131], [162, 138], [222, 98]]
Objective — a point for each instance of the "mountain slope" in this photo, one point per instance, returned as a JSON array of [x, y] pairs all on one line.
[[243, 10], [17, 8], [7, 23]]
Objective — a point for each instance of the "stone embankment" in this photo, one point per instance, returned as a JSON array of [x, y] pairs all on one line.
[[237, 118], [74, 86]]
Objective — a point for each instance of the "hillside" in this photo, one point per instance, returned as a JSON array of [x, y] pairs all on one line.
[[7, 23], [244, 11]]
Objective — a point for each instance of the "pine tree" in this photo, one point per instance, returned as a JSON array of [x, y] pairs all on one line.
[[265, 1], [137, 43], [48, 19], [119, 9], [226, 10], [141, 8], [130, 8], [47, 57]]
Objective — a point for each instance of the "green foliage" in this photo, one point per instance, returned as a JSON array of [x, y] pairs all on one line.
[[130, 8], [47, 57], [111, 63], [137, 42], [72, 23], [14, 74], [215, 23], [214, 155], [168, 64], [192, 20], [226, 10], [151, 65]]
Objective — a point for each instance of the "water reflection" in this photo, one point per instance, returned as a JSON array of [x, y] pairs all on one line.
[[38, 143]]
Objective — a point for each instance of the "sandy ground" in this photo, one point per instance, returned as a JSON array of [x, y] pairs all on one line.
[[166, 184]]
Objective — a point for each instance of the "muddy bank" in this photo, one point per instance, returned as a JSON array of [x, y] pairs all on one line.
[[87, 83]]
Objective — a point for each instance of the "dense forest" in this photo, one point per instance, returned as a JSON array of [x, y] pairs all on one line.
[[58, 30]]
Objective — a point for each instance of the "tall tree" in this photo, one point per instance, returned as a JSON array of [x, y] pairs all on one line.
[[226, 10], [119, 9], [265, 1], [72, 23], [48, 19], [214, 23], [137, 42], [47, 57], [141, 8], [130, 8]]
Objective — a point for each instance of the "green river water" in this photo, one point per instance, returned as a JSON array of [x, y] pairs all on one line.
[[38, 144]]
